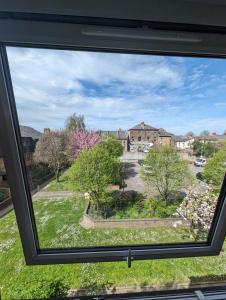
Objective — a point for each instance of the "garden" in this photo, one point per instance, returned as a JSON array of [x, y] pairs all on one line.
[[93, 170]]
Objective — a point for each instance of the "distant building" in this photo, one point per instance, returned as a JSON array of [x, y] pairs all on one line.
[[140, 137], [29, 138], [143, 136], [120, 135], [214, 138], [183, 142]]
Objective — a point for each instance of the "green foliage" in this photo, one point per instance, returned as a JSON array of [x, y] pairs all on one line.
[[112, 146], [204, 149], [159, 209], [43, 288], [75, 123], [120, 205], [92, 171], [215, 169], [37, 173], [166, 171]]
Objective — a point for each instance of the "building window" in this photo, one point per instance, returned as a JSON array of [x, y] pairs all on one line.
[[139, 138]]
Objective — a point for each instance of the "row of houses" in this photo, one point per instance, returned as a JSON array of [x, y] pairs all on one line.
[[141, 138]]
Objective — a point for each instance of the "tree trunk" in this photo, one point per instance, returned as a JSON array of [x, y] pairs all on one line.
[[57, 175]]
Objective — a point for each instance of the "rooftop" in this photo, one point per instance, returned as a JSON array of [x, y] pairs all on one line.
[[27, 131], [143, 126]]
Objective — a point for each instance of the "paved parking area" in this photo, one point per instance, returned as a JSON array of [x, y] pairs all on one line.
[[133, 178]]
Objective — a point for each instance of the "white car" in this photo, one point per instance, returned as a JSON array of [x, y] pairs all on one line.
[[200, 162]]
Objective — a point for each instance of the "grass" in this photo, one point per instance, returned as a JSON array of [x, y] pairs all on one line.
[[57, 221], [14, 272], [63, 185], [58, 226]]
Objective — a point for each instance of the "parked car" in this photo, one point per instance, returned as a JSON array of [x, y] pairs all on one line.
[[200, 162]]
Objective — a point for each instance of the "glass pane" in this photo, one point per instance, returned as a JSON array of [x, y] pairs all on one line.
[[120, 149]]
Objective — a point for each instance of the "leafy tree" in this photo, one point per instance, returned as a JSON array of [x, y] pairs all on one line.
[[215, 168], [51, 150], [75, 123], [112, 146], [166, 171], [206, 149], [92, 171], [205, 133], [190, 133], [198, 208], [82, 140]]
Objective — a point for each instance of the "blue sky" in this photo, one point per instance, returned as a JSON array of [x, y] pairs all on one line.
[[117, 91]]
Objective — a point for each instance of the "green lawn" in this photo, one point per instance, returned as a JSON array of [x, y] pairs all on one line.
[[63, 185], [57, 222], [58, 226]]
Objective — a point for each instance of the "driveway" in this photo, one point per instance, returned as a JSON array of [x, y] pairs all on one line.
[[132, 177]]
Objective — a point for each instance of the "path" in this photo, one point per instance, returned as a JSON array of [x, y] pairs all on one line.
[[132, 177], [58, 194]]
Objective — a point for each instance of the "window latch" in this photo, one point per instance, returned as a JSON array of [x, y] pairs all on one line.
[[129, 258]]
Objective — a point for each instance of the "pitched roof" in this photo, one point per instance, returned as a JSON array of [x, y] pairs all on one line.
[[163, 132], [27, 131], [180, 138], [143, 126]]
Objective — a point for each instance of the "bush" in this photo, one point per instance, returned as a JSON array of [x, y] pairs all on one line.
[[44, 288], [37, 173], [161, 210]]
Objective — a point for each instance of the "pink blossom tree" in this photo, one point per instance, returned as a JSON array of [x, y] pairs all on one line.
[[82, 140]]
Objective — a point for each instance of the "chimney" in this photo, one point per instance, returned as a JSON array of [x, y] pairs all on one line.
[[142, 125], [46, 131]]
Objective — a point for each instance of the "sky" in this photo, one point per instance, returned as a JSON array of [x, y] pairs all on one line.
[[113, 91]]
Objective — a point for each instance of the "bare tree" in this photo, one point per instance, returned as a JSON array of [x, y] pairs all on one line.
[[190, 134], [51, 150], [75, 123], [205, 133]]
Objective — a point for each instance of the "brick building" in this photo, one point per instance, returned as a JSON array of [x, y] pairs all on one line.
[[143, 136], [140, 137]]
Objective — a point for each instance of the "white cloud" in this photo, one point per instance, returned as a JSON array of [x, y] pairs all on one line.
[[111, 90]]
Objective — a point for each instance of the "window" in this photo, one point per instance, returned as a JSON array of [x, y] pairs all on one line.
[[139, 138], [74, 223]]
